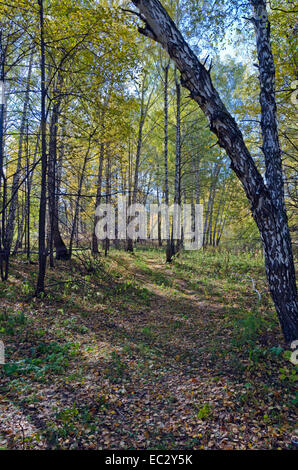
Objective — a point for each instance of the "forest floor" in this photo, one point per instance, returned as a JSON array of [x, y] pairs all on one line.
[[130, 353]]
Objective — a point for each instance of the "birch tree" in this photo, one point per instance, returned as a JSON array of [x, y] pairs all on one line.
[[266, 194]]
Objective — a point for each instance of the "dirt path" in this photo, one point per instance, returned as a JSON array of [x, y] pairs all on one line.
[[143, 361]]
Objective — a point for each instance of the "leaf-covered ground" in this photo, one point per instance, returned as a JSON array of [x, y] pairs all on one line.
[[130, 353]]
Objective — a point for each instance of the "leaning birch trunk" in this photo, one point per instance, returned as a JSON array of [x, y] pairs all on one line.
[[267, 199]]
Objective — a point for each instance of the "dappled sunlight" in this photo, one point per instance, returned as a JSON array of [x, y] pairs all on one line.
[[170, 362]]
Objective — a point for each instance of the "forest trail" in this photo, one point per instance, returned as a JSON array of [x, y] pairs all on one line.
[[137, 354]]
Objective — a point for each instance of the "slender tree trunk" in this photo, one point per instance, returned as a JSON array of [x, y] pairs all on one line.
[[166, 139], [213, 193], [223, 219], [98, 195], [158, 215], [177, 192], [144, 110], [27, 185], [208, 216], [55, 239], [219, 213], [267, 199], [28, 179], [94, 247], [77, 204], [196, 172], [3, 247], [42, 255], [61, 250], [222, 224], [108, 199], [16, 177]]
